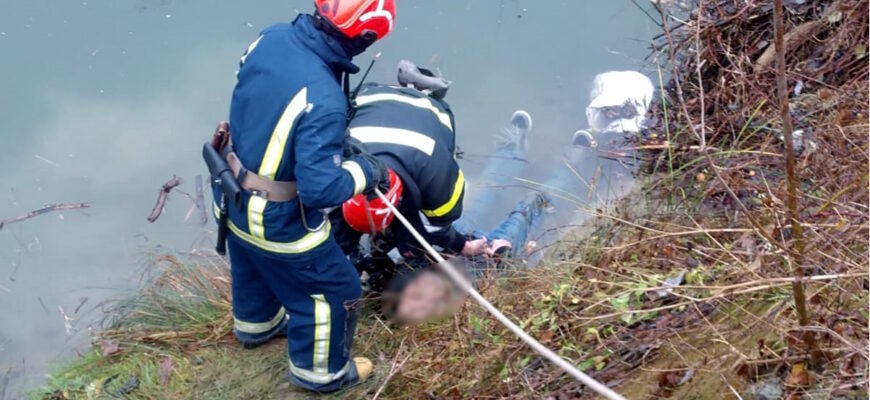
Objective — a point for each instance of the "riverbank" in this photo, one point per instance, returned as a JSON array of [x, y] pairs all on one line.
[[684, 290]]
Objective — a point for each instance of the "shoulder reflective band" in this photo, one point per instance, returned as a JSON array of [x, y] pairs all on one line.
[[460, 280], [419, 102]]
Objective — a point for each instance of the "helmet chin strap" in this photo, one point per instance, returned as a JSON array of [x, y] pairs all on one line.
[[371, 220], [352, 46]]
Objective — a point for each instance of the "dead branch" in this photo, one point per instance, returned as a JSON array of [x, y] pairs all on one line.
[[43, 210], [794, 38], [162, 197], [200, 201]]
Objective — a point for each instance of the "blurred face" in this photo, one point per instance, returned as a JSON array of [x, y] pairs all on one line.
[[624, 111], [425, 298]]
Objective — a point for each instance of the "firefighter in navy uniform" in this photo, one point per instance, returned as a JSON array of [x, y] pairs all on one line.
[[413, 134], [288, 121]]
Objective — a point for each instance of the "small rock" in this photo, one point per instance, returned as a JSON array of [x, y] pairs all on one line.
[[669, 284], [770, 389]]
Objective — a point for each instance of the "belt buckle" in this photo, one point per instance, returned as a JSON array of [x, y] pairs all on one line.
[[260, 193]]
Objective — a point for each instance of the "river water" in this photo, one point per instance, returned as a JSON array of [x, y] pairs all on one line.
[[102, 101]]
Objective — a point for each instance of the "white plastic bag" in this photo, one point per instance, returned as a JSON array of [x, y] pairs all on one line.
[[619, 101]]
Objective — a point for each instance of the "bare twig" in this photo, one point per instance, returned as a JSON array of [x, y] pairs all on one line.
[[43, 210], [792, 180], [162, 197], [395, 367]]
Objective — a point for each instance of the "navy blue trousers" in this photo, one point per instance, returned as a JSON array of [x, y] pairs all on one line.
[[313, 296]]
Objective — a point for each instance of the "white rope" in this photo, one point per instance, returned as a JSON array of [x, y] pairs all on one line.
[[460, 280]]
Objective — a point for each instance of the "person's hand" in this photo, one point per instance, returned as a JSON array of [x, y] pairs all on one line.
[[474, 247], [497, 245]]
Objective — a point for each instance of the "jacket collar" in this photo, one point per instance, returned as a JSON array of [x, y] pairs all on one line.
[[323, 45]]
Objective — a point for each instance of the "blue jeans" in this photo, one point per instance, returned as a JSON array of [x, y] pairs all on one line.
[[515, 228], [507, 163], [583, 181]]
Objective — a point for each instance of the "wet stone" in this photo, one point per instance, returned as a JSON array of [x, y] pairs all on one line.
[[769, 389]]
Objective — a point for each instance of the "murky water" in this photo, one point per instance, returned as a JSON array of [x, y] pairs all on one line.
[[102, 101]]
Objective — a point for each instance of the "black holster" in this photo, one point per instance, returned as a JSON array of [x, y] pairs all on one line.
[[222, 177]]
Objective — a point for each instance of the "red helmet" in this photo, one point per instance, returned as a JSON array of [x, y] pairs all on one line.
[[354, 17], [368, 216]]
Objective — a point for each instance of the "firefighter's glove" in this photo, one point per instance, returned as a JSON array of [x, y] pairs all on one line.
[[380, 177], [353, 147]]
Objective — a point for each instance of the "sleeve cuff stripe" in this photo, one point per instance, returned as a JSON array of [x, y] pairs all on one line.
[[359, 177]]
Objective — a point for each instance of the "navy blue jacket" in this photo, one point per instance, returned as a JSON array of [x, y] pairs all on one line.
[[288, 120], [414, 135]]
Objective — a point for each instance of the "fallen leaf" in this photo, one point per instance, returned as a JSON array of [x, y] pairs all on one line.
[[667, 251], [547, 337], [799, 376], [668, 379], [620, 303], [109, 347], [165, 370]]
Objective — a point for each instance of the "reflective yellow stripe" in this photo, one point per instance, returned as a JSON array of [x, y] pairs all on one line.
[[404, 137], [448, 206], [272, 159], [259, 327], [275, 149], [306, 243], [359, 177], [322, 321], [315, 377], [424, 103], [256, 207]]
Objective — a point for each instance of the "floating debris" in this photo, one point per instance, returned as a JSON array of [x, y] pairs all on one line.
[[162, 197], [67, 321], [46, 209], [47, 161]]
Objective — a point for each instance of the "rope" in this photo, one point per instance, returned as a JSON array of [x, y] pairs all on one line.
[[460, 280]]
